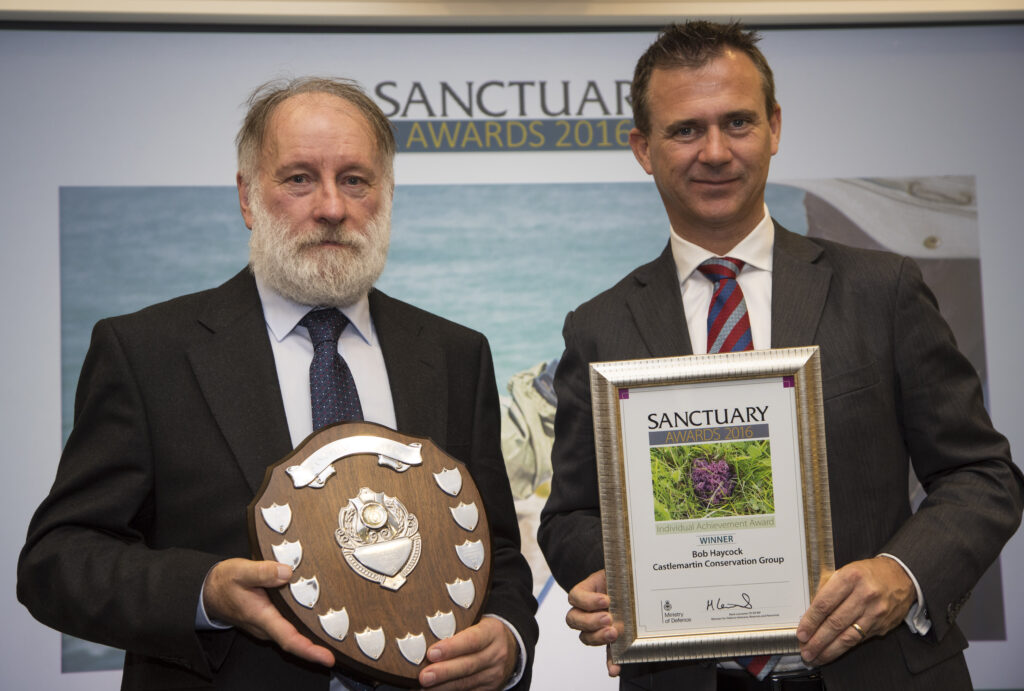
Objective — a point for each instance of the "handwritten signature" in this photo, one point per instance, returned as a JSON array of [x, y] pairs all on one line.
[[718, 604]]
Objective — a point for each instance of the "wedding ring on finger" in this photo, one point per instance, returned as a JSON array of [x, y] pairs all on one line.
[[856, 627]]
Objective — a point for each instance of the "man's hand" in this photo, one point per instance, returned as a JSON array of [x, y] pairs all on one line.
[[235, 593], [480, 657], [590, 616], [875, 594]]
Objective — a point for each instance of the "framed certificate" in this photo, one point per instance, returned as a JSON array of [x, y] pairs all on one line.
[[714, 500]]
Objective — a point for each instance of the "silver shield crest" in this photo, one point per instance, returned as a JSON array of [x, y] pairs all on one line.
[[379, 538]]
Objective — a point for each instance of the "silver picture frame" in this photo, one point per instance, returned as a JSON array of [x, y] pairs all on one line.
[[708, 575]]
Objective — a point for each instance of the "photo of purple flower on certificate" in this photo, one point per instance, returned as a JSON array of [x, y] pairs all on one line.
[[716, 479]]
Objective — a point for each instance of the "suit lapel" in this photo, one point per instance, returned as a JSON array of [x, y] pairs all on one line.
[[417, 373], [656, 305], [799, 289], [235, 370]]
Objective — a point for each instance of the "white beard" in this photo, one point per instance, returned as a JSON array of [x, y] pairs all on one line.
[[290, 264]]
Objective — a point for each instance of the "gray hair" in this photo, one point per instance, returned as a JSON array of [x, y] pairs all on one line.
[[265, 99]]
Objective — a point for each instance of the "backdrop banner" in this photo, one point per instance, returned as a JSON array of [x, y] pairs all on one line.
[[517, 198]]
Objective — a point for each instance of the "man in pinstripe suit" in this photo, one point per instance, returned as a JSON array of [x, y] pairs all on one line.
[[895, 387]]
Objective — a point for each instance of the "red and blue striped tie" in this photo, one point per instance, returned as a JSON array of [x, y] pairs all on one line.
[[728, 332], [728, 322]]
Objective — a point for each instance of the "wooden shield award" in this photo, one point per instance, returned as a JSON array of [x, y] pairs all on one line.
[[388, 541]]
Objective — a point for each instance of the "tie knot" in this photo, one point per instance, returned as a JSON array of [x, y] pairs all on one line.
[[324, 325], [721, 268]]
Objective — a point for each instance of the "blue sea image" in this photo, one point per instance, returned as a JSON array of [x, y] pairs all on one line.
[[507, 260]]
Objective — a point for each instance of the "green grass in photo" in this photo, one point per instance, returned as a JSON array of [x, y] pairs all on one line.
[[747, 467]]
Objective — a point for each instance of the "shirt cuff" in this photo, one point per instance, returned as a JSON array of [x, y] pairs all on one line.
[[203, 621], [517, 674], [917, 619]]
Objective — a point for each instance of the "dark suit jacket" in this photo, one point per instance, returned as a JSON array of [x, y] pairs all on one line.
[[894, 386], [177, 415]]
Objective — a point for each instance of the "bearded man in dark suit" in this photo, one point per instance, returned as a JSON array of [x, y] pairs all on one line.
[[141, 543], [895, 388]]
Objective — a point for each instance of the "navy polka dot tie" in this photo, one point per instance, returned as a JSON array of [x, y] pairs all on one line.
[[332, 390]]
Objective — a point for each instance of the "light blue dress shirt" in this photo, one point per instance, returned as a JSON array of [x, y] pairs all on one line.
[[359, 346]]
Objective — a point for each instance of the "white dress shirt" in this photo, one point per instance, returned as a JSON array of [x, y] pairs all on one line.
[[755, 280]]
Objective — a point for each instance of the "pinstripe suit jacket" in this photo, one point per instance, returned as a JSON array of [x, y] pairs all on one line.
[[895, 387]]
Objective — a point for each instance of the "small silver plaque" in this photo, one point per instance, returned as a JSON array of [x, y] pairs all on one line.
[[471, 554], [461, 592], [277, 518], [442, 624], [466, 515], [413, 647], [289, 553], [449, 480], [371, 642], [306, 591], [335, 624]]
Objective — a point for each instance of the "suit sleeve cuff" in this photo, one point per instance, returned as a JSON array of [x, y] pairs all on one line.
[[517, 673], [917, 619]]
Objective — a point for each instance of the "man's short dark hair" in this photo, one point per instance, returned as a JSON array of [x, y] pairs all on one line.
[[267, 97], [695, 44]]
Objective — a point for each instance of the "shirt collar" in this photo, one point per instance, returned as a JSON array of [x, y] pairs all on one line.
[[755, 249], [283, 315]]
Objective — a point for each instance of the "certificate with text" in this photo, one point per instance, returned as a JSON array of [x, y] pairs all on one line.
[[714, 500]]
